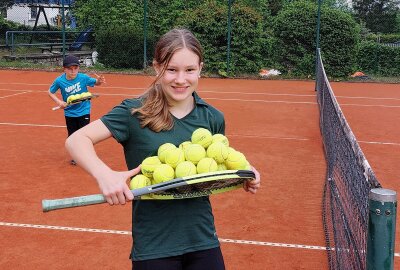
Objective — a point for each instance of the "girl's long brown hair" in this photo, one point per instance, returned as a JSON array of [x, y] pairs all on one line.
[[154, 113]]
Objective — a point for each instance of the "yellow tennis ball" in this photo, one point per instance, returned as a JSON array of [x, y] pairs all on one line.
[[194, 153], [163, 150], [86, 94], [235, 161], [162, 173], [218, 151], [174, 157], [184, 145], [202, 136], [149, 164], [231, 149], [221, 167], [185, 168], [220, 138], [247, 166], [70, 98], [139, 181], [207, 165]]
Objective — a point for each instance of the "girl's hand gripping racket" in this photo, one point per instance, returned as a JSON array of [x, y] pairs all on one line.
[[198, 185], [76, 101]]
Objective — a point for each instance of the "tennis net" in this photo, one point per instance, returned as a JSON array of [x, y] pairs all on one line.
[[349, 179]]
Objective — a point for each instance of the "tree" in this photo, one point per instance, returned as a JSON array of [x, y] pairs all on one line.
[[378, 15], [294, 29], [4, 5]]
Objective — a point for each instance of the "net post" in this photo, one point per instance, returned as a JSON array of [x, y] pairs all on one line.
[[381, 229]]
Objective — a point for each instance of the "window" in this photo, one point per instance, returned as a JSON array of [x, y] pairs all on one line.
[[34, 12]]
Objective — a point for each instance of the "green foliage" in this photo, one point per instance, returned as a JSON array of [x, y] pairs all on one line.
[[121, 46], [378, 59], [249, 46], [379, 15], [6, 25], [384, 38], [103, 13], [294, 29]]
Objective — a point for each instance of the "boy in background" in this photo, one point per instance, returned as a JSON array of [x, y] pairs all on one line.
[[72, 82]]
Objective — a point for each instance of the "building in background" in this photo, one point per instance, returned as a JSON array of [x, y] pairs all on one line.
[[27, 12]]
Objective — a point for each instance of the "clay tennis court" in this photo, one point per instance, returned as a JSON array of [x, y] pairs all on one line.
[[274, 123]]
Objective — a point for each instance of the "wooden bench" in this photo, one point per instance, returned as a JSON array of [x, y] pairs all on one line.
[[47, 57], [58, 46], [54, 47]]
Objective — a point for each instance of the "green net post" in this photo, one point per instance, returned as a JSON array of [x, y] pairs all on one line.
[[317, 49], [145, 34], [381, 229]]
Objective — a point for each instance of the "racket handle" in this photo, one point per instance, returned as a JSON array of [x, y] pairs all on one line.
[[56, 108], [48, 205]]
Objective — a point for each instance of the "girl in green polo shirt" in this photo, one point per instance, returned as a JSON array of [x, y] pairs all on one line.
[[169, 234]]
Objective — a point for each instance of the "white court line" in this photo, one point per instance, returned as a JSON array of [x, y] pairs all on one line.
[[108, 87], [240, 93], [223, 240], [31, 125], [15, 94], [365, 105], [229, 135], [382, 143], [248, 242], [372, 98], [267, 137], [259, 100]]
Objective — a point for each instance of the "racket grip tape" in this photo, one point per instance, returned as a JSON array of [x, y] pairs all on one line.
[[48, 205]]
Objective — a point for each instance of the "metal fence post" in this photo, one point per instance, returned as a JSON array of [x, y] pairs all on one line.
[[145, 34], [381, 229], [228, 47], [63, 27]]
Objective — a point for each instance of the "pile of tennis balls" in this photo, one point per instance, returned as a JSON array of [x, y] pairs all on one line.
[[75, 97], [204, 153]]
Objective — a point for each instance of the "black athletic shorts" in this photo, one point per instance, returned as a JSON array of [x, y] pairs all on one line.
[[210, 259], [75, 123]]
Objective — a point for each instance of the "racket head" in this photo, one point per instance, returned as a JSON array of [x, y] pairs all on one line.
[[198, 185]]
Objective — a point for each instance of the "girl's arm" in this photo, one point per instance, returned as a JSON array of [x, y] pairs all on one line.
[[253, 186], [112, 183]]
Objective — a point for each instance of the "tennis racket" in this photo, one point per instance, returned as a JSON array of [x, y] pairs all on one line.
[[198, 185], [76, 101]]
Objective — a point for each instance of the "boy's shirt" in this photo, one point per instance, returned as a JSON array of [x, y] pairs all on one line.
[[72, 87]]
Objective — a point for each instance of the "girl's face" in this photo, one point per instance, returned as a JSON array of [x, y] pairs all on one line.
[[71, 72], [181, 76]]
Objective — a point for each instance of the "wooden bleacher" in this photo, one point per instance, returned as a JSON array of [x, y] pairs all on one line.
[[47, 57]]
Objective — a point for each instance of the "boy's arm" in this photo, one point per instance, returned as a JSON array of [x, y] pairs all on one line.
[[100, 79], [59, 102]]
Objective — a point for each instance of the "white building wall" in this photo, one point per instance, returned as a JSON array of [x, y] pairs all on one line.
[[23, 15]]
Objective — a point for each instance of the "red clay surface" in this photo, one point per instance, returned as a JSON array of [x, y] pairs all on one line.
[[275, 124]]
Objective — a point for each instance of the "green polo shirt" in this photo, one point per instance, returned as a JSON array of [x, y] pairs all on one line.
[[170, 227]]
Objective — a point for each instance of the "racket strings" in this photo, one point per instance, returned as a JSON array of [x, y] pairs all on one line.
[[204, 188]]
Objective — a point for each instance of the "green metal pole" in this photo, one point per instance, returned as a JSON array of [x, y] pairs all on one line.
[[381, 229], [317, 40], [318, 23], [228, 50], [63, 26], [145, 34]]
